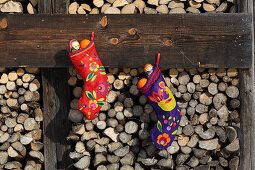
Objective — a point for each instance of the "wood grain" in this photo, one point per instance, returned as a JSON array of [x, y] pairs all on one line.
[[44, 7], [56, 126], [60, 6], [247, 95], [56, 99], [204, 40]]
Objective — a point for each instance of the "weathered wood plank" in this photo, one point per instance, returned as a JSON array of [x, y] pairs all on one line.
[[56, 99], [247, 120], [207, 40], [56, 126], [44, 7], [247, 95], [60, 6]]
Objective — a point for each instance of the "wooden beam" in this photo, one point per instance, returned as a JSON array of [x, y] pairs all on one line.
[[44, 7], [247, 96], [56, 126], [60, 6], [204, 40], [56, 100]]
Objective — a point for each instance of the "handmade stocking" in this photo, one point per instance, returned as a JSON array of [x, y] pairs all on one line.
[[167, 111], [90, 68]]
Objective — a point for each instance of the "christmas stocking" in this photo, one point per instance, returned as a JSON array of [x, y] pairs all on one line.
[[90, 68], [167, 111]]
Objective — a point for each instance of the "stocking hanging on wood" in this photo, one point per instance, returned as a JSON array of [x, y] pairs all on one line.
[[96, 86], [167, 111]]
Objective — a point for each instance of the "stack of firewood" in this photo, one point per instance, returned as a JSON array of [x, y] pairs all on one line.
[[151, 6], [20, 119], [120, 137], [19, 6]]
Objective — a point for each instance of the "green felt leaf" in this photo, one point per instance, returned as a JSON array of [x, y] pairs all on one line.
[[89, 76], [106, 95], [87, 55], [81, 65], [94, 78], [95, 54], [80, 104], [159, 126], [81, 108], [102, 99], [89, 95], [101, 68], [94, 94], [100, 103], [174, 132], [103, 73], [82, 62]]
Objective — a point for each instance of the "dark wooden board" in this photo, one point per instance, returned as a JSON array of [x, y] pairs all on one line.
[[56, 100], [44, 6], [60, 6], [56, 126], [184, 40], [247, 96], [247, 120]]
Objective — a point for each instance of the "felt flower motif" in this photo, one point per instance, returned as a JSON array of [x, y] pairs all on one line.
[[168, 128], [162, 85], [102, 88], [96, 58], [90, 58], [163, 139], [93, 104], [155, 97], [93, 66]]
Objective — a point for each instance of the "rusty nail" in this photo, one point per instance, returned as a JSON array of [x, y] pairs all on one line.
[[103, 21], [199, 64], [114, 40], [132, 31], [168, 42], [4, 23]]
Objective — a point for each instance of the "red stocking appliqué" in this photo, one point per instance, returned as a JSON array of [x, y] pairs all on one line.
[[90, 68]]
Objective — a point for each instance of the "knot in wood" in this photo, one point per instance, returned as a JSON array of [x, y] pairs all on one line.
[[4, 23], [114, 40], [103, 21], [168, 42], [132, 31]]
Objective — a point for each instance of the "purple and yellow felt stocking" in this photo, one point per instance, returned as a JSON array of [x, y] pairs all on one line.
[[167, 111], [96, 86]]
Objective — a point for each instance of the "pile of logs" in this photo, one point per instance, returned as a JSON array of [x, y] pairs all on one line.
[[20, 119], [152, 6], [19, 6], [120, 137]]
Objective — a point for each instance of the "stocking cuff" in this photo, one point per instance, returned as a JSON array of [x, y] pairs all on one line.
[[77, 53]]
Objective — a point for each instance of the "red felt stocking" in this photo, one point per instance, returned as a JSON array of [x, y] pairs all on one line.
[[90, 68]]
